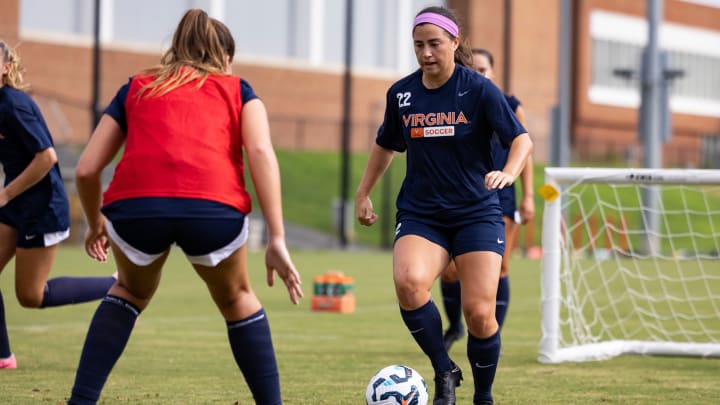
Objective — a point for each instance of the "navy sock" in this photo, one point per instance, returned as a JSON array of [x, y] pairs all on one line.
[[4, 341], [252, 348], [483, 355], [74, 290], [502, 300], [106, 339], [425, 325], [452, 303]]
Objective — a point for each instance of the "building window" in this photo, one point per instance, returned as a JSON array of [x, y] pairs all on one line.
[[711, 151], [618, 42], [282, 32]]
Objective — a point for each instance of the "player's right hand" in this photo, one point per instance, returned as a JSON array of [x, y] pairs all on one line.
[[97, 243], [364, 211]]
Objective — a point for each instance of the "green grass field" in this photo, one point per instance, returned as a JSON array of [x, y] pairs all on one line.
[[178, 353], [311, 183]]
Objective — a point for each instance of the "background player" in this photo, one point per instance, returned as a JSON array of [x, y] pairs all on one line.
[[483, 62], [34, 214]]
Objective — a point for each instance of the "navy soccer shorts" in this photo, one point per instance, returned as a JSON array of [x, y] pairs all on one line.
[[483, 235], [28, 229], [204, 241]]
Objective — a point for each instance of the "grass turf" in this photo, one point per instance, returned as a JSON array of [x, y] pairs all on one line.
[[178, 353]]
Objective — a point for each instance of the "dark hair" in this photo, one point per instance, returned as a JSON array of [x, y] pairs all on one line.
[[201, 43], [463, 54], [485, 53], [225, 37]]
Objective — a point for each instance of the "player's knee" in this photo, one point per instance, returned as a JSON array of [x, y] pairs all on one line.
[[411, 295], [29, 298], [236, 299], [481, 320], [138, 293], [408, 280]]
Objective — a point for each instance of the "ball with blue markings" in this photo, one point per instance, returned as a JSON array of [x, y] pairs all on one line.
[[397, 385]]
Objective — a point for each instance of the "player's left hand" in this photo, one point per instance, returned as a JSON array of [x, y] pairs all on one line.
[[497, 180]]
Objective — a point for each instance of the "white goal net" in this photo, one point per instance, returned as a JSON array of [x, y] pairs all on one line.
[[631, 263]]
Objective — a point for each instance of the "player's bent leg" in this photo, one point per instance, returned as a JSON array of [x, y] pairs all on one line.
[[32, 266], [511, 229], [8, 235], [229, 286], [247, 325], [136, 283], [450, 290], [416, 264], [479, 273], [503, 291], [7, 251], [107, 336], [7, 359], [113, 323]]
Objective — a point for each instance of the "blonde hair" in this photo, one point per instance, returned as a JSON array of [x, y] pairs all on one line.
[[14, 76], [199, 47]]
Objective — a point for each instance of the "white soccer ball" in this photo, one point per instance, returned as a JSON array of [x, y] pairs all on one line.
[[397, 385]]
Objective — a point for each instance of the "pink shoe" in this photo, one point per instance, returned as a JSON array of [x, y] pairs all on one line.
[[9, 363]]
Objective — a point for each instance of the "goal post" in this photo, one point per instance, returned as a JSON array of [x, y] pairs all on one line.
[[631, 263]]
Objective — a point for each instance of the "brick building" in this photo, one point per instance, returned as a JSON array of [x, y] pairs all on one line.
[[304, 100]]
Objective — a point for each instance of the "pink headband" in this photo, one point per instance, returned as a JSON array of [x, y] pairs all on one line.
[[439, 20]]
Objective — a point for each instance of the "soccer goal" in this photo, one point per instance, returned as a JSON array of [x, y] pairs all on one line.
[[631, 263]]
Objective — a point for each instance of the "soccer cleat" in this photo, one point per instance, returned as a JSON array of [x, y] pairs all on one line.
[[484, 403], [445, 384], [8, 363], [452, 335]]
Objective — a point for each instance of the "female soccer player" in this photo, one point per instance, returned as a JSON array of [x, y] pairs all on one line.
[[483, 62], [34, 215], [444, 115], [184, 125]]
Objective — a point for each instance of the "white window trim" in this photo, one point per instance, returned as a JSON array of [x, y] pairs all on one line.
[[630, 98], [676, 37]]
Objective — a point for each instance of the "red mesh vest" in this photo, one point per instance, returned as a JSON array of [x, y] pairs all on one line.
[[185, 143]]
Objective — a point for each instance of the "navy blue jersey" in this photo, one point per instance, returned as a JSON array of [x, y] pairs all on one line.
[[447, 134], [500, 149], [512, 101], [23, 133], [161, 207]]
